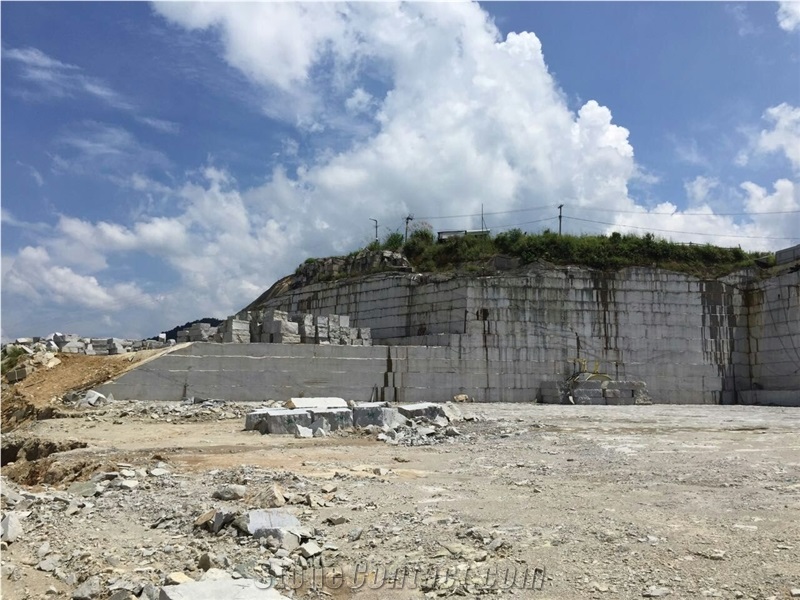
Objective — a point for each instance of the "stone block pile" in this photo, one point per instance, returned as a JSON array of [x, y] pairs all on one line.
[[198, 332], [585, 391], [414, 424], [72, 343], [278, 327]]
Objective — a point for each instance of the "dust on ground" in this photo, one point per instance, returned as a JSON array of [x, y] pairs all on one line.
[[606, 502]]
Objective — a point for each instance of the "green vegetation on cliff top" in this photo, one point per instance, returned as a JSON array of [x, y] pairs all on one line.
[[596, 251]]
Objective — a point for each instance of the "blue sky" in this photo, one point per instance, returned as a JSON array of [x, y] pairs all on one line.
[[163, 162]]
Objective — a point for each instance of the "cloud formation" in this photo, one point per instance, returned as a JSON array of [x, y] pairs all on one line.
[[460, 119], [789, 15], [45, 78]]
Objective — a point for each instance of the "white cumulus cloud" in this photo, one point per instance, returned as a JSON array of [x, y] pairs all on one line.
[[461, 120], [785, 134], [789, 15]]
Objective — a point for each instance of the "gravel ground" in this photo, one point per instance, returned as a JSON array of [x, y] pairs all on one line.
[[589, 502]]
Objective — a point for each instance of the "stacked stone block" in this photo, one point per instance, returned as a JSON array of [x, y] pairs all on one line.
[[234, 331]]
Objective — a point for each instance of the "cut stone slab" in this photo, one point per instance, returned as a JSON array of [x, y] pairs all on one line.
[[367, 414], [283, 421], [252, 419], [73, 348], [318, 403], [428, 410], [230, 589], [338, 418], [266, 522]]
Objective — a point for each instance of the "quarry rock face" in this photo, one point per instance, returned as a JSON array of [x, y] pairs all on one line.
[[651, 335], [516, 335]]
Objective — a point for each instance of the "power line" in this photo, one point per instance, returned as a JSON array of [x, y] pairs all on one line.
[[753, 237], [523, 223], [692, 214], [634, 212], [501, 212]]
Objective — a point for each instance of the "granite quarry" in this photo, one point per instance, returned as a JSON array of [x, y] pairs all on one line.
[[398, 435]]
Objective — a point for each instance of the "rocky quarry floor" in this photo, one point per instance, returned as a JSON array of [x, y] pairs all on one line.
[[142, 500]]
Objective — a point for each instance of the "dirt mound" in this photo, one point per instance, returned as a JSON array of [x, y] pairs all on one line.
[[39, 395], [54, 470], [34, 448]]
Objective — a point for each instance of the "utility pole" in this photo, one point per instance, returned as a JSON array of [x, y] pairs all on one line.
[[376, 228], [409, 218], [560, 206]]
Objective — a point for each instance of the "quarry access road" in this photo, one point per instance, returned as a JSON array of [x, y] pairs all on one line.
[[609, 501]]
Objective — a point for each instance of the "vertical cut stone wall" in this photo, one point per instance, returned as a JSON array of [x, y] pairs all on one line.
[[693, 341], [773, 359]]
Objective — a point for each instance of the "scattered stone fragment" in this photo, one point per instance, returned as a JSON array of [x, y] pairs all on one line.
[[427, 410], [177, 578], [656, 592], [314, 500], [270, 496], [238, 589], [206, 517], [158, 472], [264, 523], [230, 492], [48, 565], [303, 432], [310, 549], [89, 589], [11, 527], [355, 534], [320, 427], [336, 520], [215, 574], [329, 488], [85, 489]]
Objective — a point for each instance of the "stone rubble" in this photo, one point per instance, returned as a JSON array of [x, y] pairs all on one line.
[[195, 537], [419, 424], [40, 352]]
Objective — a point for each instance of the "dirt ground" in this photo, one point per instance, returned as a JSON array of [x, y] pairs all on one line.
[[607, 502]]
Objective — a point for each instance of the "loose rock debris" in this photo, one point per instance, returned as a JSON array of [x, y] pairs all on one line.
[[417, 424], [682, 521]]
